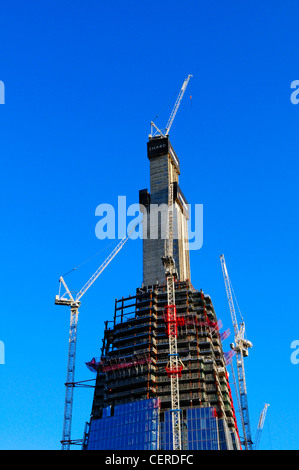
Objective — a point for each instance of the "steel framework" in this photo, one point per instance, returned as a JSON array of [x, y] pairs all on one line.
[[174, 366]]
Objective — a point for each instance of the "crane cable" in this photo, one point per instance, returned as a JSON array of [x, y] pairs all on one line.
[[88, 259], [101, 251]]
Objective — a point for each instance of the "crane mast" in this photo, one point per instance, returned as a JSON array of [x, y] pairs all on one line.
[[74, 303], [241, 349], [70, 378], [174, 366]]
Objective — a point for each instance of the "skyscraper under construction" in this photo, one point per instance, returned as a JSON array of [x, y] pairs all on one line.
[[132, 406]]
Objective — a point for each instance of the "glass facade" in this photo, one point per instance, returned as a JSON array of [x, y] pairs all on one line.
[[133, 426], [137, 426], [226, 438], [199, 430]]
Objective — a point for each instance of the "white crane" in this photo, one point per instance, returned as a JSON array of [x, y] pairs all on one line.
[[154, 133], [174, 366], [240, 347], [74, 303], [260, 426]]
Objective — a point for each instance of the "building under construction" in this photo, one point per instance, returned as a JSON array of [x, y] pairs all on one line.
[[133, 405]]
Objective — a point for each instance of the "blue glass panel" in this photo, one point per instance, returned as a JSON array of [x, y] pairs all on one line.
[[136, 426], [133, 425]]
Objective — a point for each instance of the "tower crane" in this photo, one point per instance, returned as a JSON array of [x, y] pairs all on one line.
[[260, 426], [165, 133], [74, 303], [240, 347], [174, 366]]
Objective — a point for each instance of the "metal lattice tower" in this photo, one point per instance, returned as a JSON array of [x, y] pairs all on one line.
[[74, 303], [241, 349], [174, 366], [260, 426], [68, 404]]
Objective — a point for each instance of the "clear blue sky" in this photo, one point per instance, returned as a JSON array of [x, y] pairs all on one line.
[[83, 80]]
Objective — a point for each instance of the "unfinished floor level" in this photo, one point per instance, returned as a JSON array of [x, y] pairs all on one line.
[[132, 366]]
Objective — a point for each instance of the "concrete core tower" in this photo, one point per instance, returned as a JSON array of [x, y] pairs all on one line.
[[164, 170]]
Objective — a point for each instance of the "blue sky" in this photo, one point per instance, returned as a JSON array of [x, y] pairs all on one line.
[[82, 81]]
